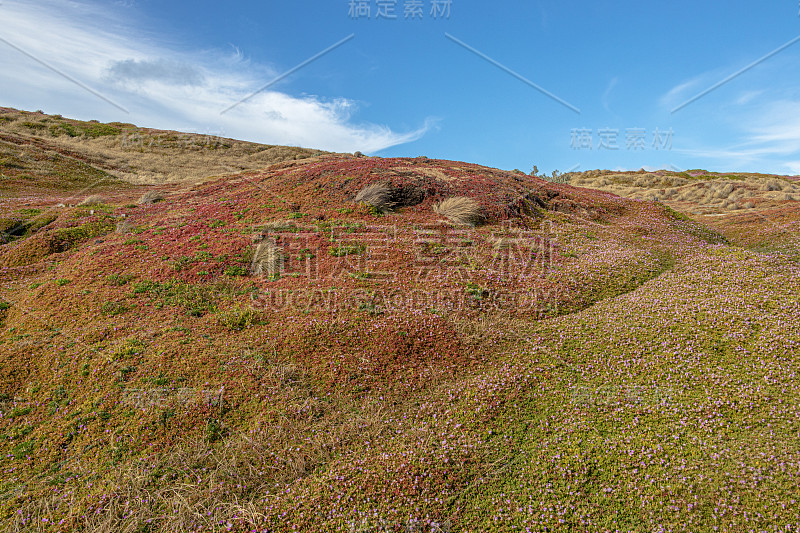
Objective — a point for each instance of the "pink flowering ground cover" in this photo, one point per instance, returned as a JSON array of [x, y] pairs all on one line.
[[578, 362]]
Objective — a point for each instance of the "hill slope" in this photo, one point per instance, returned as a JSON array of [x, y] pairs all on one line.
[[758, 211], [49, 151], [328, 345]]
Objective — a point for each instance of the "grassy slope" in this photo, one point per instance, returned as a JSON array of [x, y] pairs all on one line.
[[42, 153], [757, 211], [149, 383]]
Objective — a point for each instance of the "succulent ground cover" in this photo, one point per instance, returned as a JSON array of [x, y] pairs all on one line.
[[575, 361]]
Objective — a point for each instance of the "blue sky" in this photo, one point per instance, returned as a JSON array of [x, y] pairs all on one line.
[[562, 85]]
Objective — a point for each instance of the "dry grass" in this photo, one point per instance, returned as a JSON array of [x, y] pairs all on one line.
[[377, 195], [94, 199], [140, 155], [460, 210], [150, 197], [199, 484], [267, 260], [708, 191], [124, 226]]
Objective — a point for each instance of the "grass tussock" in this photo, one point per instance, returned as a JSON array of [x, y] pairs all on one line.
[[378, 196], [267, 260], [150, 198], [94, 199], [460, 210]]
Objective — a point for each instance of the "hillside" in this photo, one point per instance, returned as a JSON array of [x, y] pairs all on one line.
[[341, 343], [39, 151], [757, 211]]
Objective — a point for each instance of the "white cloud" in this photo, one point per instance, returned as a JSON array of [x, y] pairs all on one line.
[[606, 98], [794, 167], [168, 72], [771, 134], [680, 92], [748, 96], [161, 87]]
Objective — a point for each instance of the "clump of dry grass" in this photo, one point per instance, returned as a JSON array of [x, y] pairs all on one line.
[[150, 197], [773, 185], [124, 226], [460, 210], [267, 260], [94, 199], [377, 195]]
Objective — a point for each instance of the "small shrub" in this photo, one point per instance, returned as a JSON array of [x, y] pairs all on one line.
[[4, 306], [128, 348], [346, 249], [476, 291], [182, 262], [378, 196], [145, 286], [460, 210], [64, 128], [214, 430], [113, 308], [36, 126], [370, 308], [235, 271], [94, 131], [150, 197], [267, 259], [23, 449], [237, 319], [20, 411], [63, 281], [119, 279]]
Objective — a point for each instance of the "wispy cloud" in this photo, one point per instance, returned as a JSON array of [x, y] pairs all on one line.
[[770, 137], [794, 167], [748, 96], [163, 87], [159, 70], [680, 91], [606, 98]]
